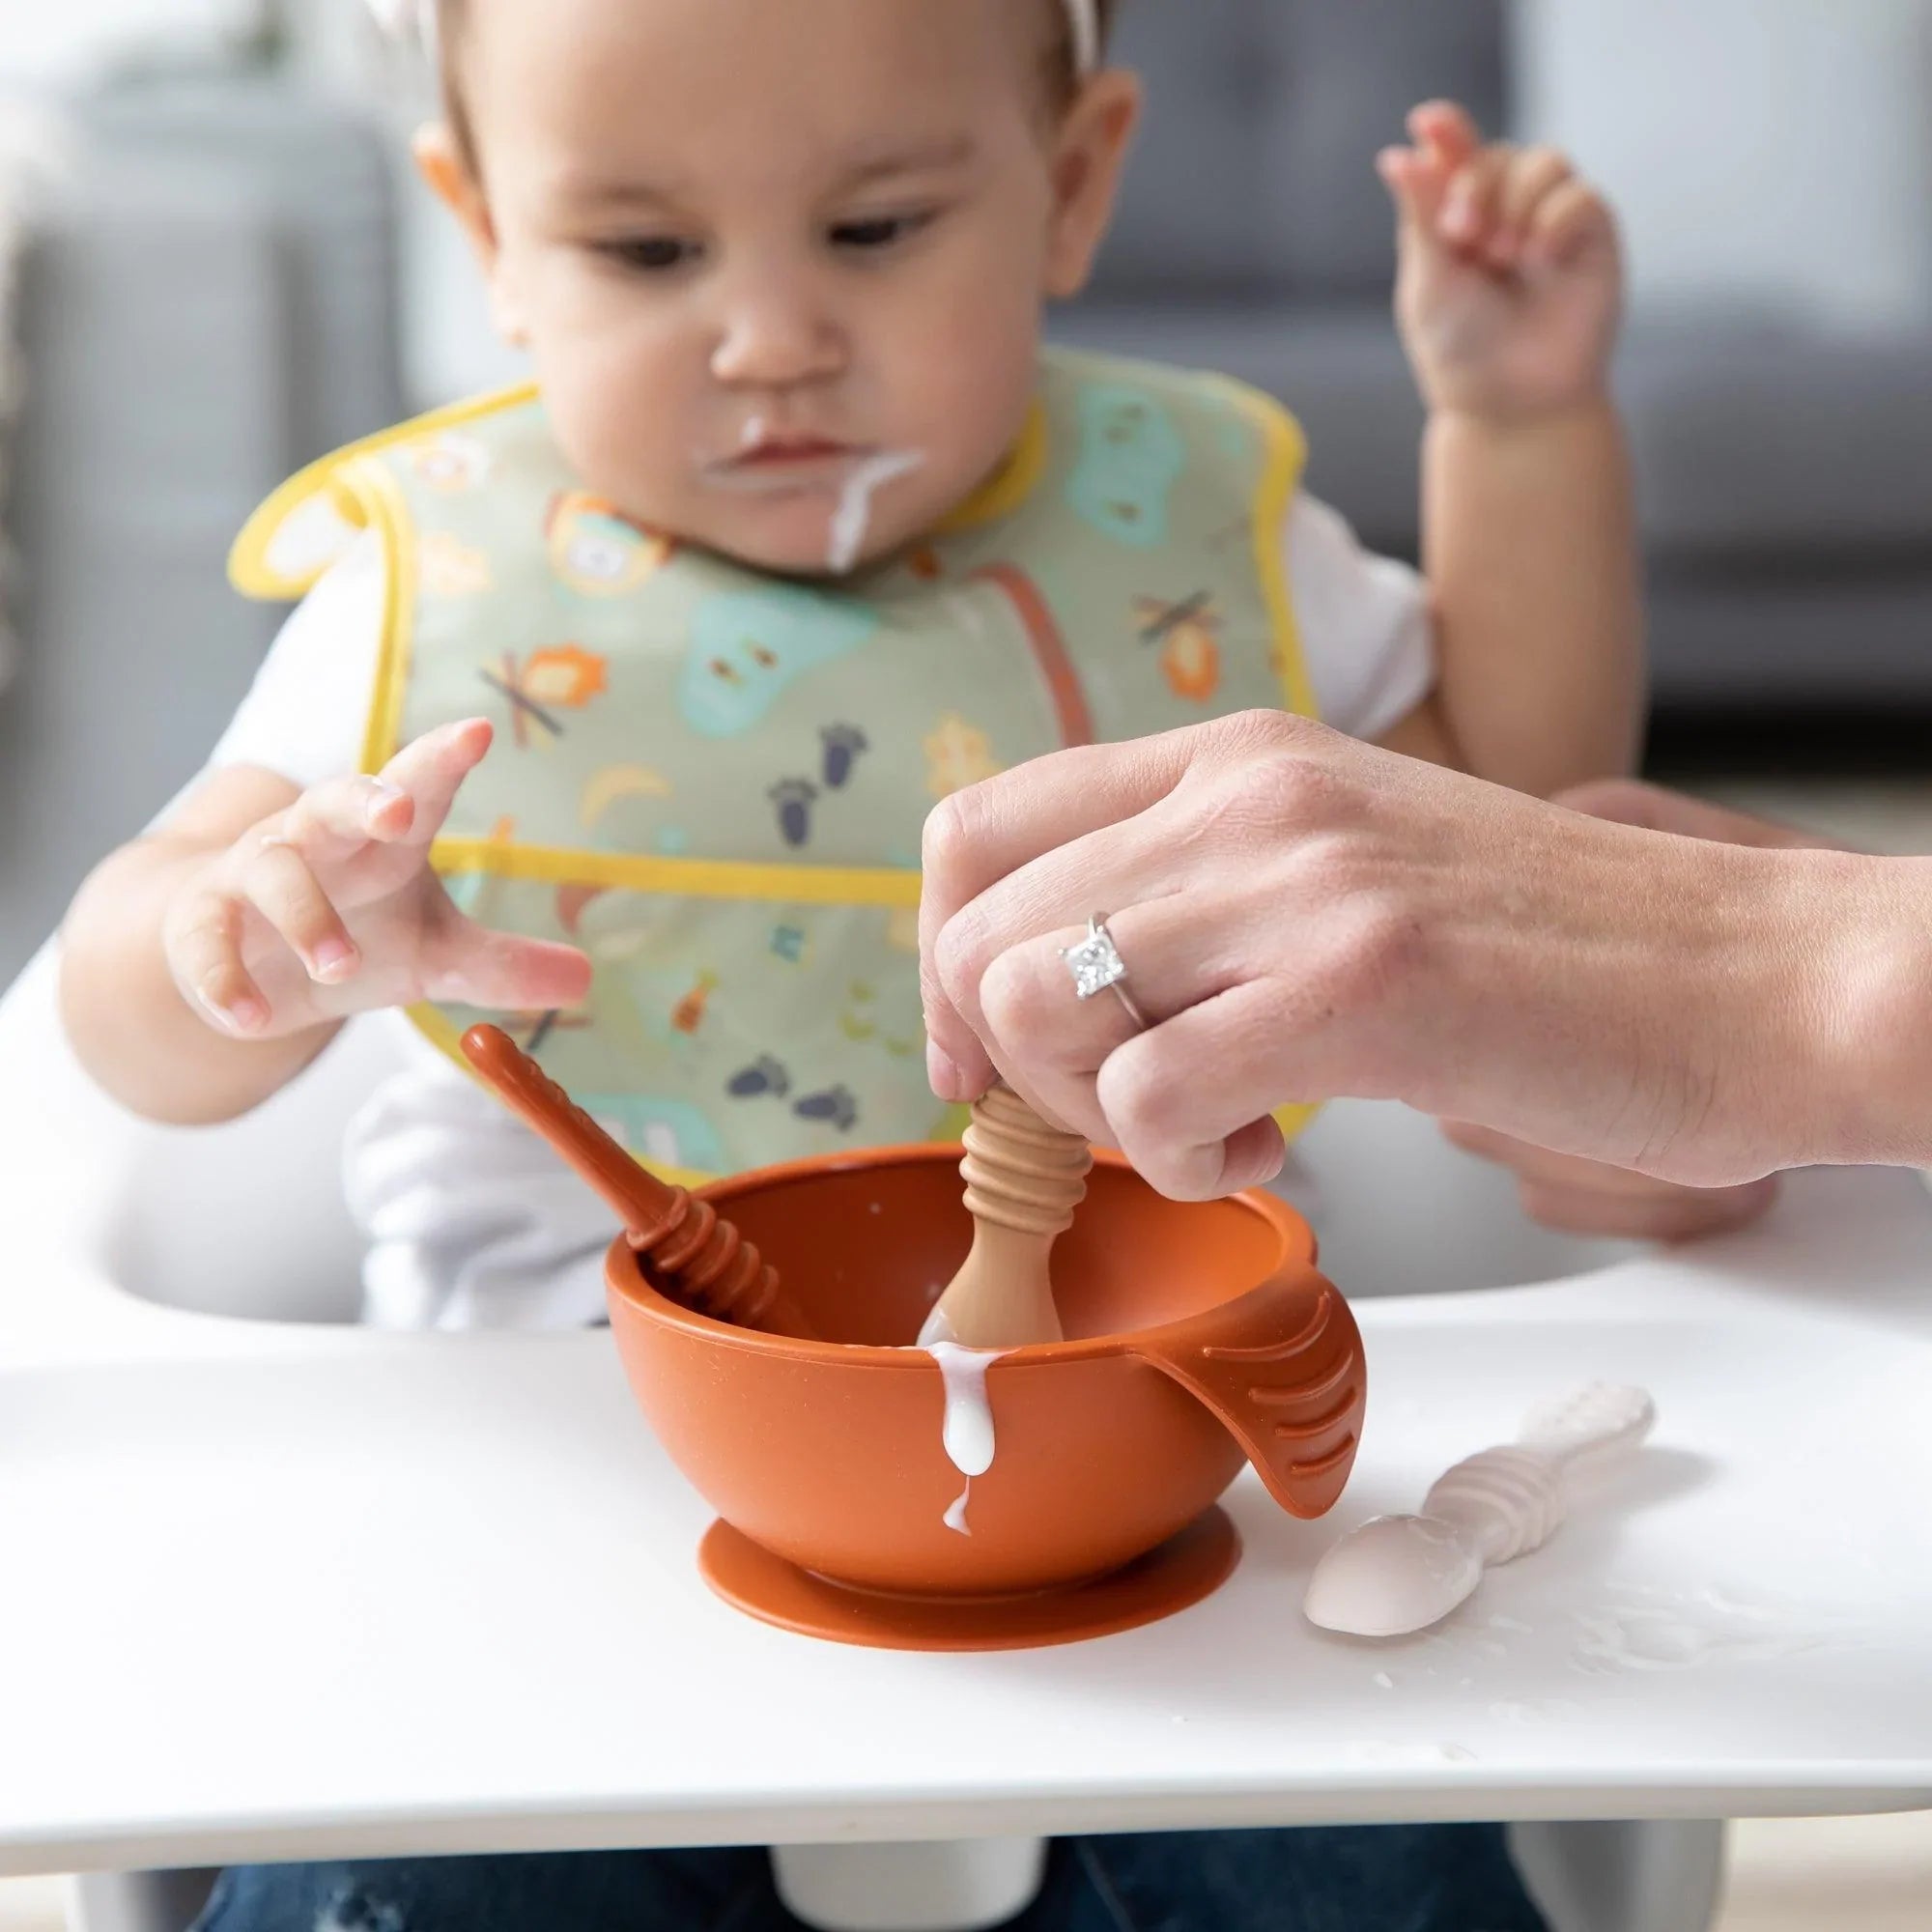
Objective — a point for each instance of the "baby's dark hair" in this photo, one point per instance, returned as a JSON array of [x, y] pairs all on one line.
[[1063, 62]]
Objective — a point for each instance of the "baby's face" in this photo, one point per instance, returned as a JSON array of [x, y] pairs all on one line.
[[767, 254]]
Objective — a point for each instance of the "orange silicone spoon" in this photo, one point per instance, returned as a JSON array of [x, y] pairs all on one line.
[[695, 1257]]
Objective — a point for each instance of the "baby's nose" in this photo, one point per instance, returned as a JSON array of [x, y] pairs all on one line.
[[774, 337]]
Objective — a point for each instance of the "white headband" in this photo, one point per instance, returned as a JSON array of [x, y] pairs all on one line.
[[1083, 18], [399, 19]]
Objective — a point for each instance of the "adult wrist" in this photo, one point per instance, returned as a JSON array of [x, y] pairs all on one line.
[[1869, 993]]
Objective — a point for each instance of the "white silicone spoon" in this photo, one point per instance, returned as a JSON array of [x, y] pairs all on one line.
[[1398, 1575]]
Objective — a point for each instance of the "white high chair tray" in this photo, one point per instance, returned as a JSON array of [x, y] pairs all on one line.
[[434, 1595], [272, 1591]]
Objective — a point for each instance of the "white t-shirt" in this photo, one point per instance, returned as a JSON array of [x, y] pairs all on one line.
[[471, 1222]]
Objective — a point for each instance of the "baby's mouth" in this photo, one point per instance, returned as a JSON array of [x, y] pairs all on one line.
[[779, 451], [788, 463], [847, 476]]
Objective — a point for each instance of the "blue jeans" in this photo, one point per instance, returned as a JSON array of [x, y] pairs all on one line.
[[1424, 1878]]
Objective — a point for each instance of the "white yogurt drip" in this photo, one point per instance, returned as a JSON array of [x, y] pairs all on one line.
[[853, 517], [969, 1417]]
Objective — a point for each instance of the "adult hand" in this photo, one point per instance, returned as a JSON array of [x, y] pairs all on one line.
[[1306, 918]]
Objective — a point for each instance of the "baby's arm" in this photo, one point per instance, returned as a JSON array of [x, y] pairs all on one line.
[[1510, 297], [207, 964]]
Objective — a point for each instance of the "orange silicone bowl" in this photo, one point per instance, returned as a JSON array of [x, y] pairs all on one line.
[[828, 1454]]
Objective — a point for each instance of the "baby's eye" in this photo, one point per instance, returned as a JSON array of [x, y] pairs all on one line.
[[653, 254], [878, 231]]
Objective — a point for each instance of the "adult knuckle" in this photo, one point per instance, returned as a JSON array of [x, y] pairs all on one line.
[[1188, 1174], [1263, 733], [954, 829], [1016, 999], [1376, 951], [1141, 1104], [1329, 865], [1258, 803], [960, 956], [1285, 788]]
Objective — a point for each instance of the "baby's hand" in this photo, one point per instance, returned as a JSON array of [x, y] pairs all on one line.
[[331, 908], [1511, 286], [1586, 1197]]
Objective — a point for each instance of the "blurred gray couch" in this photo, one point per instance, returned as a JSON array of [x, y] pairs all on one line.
[[211, 300], [1785, 479]]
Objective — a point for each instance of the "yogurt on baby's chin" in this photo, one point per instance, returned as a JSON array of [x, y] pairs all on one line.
[[852, 519], [859, 482]]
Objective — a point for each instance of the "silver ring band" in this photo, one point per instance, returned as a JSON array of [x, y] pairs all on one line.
[[1097, 967]]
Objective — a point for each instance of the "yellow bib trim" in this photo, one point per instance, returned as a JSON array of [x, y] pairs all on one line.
[[1274, 499], [249, 567], [698, 878], [381, 503], [1009, 486]]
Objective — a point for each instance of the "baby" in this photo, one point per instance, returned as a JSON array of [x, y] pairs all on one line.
[[797, 530]]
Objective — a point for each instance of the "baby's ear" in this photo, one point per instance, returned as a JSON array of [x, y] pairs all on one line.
[[444, 167], [1090, 156]]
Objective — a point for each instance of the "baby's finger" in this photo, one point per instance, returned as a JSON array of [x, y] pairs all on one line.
[[1470, 209], [1532, 176], [1544, 1166], [1653, 808], [1678, 1214], [333, 823], [1445, 130], [502, 972], [203, 945], [1567, 221], [1418, 182], [277, 881], [432, 770]]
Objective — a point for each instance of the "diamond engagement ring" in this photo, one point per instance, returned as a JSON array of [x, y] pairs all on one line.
[[1096, 966]]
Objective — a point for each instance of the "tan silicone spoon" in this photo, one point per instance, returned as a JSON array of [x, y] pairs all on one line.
[[695, 1257], [1023, 1181]]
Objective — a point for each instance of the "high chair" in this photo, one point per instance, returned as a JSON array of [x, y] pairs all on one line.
[[287, 1588]]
